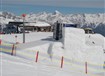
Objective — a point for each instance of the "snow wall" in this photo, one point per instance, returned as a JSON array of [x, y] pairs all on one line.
[[76, 49]]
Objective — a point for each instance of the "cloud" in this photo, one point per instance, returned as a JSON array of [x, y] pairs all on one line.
[[63, 3]]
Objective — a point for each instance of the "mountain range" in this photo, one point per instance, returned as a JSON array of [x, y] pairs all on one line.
[[94, 21]]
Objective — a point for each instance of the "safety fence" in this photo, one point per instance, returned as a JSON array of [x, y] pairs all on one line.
[[38, 56]]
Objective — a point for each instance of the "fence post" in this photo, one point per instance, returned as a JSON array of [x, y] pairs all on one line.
[[37, 54], [0, 41], [86, 67], [62, 60], [13, 50]]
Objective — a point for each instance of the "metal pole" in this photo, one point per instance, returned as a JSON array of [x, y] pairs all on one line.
[[23, 30]]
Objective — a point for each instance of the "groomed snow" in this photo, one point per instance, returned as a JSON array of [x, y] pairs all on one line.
[[50, 53], [30, 37], [14, 66]]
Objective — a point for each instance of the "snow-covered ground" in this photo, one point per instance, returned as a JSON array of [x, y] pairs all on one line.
[[50, 53], [30, 37], [14, 66]]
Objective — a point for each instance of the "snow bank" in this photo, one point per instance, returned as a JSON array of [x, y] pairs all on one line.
[[95, 40], [77, 50], [74, 42]]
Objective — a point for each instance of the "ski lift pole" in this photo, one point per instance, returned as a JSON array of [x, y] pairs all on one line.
[[23, 15]]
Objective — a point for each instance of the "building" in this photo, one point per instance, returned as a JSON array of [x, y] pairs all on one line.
[[37, 26], [9, 29], [58, 28], [88, 30], [17, 27]]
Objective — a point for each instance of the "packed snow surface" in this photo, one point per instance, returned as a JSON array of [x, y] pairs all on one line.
[[89, 48]]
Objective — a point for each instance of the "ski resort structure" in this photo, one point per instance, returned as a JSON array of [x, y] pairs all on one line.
[[67, 51]]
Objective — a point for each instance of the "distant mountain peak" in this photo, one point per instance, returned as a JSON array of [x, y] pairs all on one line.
[[56, 12]]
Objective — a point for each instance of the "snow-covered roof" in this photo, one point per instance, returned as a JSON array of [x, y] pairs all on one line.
[[68, 22], [40, 24]]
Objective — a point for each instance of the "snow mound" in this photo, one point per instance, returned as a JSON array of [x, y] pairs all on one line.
[[95, 40]]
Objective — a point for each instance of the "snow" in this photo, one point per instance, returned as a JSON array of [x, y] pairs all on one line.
[[30, 37], [39, 24], [20, 67], [95, 21], [96, 38], [5, 20], [42, 24], [76, 47]]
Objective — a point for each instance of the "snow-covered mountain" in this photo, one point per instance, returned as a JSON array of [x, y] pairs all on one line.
[[95, 21]]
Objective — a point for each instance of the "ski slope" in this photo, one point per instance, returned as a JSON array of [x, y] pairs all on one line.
[[30, 37], [14, 66], [50, 53]]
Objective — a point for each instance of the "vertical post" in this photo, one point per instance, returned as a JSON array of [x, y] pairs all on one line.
[[16, 39], [62, 59], [37, 54], [0, 44], [23, 31], [0, 41], [17, 29], [23, 15], [13, 49], [86, 67]]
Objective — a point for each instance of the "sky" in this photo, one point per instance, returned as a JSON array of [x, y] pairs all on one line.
[[64, 6]]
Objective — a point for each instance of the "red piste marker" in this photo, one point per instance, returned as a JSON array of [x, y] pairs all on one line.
[[37, 54], [0, 41], [62, 60]]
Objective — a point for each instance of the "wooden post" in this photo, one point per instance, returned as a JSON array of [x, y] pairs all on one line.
[[37, 54], [86, 67], [12, 49], [62, 59]]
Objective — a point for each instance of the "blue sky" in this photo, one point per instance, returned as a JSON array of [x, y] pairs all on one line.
[[64, 6]]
